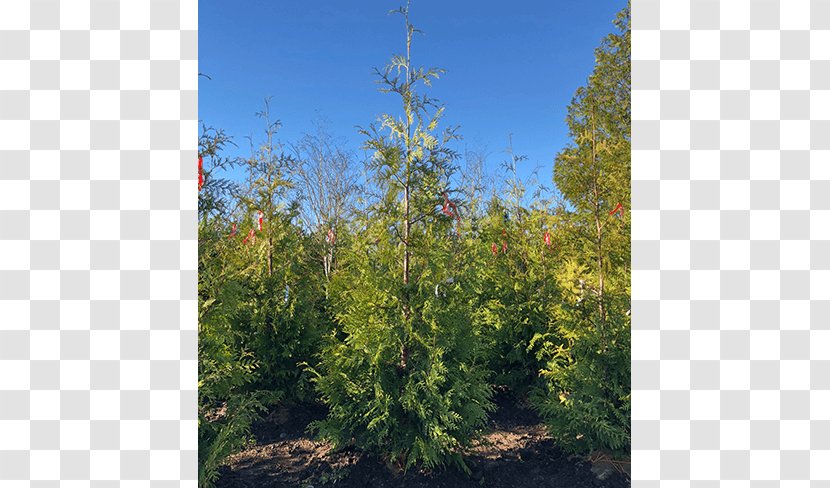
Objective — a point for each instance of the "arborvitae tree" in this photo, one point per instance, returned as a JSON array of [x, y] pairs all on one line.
[[283, 322], [227, 367], [404, 377], [512, 266], [587, 395], [260, 296], [515, 282]]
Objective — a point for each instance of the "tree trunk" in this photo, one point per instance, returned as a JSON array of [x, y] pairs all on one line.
[[597, 219], [406, 195]]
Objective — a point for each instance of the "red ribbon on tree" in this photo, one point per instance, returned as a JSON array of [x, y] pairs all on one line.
[[504, 247], [330, 236], [233, 231], [201, 174], [547, 238], [446, 207], [619, 208], [494, 249], [251, 236], [451, 210], [259, 220]]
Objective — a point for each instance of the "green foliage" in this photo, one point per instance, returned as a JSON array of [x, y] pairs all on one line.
[[399, 317], [403, 377], [226, 408], [251, 336], [285, 317], [419, 412], [586, 353], [515, 288], [585, 397]]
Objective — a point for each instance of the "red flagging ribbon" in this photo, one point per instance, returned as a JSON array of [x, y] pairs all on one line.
[[547, 238], [233, 231], [330, 236], [494, 249], [446, 207], [201, 174], [619, 208], [252, 233], [451, 210], [504, 247]]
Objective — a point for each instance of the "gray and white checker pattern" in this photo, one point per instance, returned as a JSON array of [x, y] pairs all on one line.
[[731, 243], [98, 247]]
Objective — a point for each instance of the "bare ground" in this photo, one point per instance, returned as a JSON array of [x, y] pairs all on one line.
[[516, 452]]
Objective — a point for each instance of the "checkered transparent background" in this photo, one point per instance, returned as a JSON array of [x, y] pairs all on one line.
[[98, 247], [731, 243]]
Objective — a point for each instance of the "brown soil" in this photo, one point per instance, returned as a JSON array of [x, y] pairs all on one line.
[[516, 452]]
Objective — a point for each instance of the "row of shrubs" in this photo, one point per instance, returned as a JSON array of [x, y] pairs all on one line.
[[405, 305]]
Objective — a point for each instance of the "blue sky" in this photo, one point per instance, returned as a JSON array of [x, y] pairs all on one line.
[[512, 67]]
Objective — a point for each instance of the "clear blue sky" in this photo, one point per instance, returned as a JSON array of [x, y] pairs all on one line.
[[512, 67]]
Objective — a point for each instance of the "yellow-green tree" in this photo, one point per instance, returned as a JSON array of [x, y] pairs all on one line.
[[586, 397], [404, 376]]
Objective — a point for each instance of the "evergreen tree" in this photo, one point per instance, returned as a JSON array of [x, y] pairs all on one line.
[[586, 398], [405, 376], [515, 285], [284, 320], [227, 368]]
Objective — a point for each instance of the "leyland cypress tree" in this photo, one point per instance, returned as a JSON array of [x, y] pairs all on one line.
[[403, 377]]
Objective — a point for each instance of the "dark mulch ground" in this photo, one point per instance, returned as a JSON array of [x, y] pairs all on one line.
[[516, 453]]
